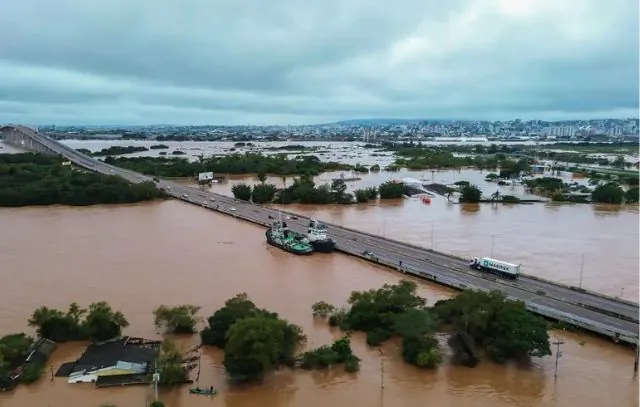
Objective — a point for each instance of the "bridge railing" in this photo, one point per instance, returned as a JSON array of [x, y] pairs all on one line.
[[547, 312]]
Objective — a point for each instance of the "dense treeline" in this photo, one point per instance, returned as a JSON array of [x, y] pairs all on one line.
[[304, 190], [608, 192], [98, 322], [504, 329], [415, 156], [119, 150], [247, 163], [33, 179]]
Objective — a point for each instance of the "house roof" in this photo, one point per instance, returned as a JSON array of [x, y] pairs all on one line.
[[121, 352], [40, 351]]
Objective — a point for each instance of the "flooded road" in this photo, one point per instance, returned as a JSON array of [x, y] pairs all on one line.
[[138, 257]]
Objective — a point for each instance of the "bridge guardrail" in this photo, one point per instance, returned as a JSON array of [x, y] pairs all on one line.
[[584, 323], [584, 290]]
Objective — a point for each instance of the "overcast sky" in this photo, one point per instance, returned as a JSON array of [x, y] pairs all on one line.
[[306, 62]]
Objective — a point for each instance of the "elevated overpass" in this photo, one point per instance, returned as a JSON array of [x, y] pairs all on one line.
[[610, 316]]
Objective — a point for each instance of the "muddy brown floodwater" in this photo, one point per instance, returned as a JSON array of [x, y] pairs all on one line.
[[137, 257], [552, 241]]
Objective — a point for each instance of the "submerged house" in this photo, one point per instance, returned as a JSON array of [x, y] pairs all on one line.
[[37, 354], [118, 358], [40, 351]]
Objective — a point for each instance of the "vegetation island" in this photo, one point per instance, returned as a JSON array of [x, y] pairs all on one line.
[[35, 179], [248, 163], [304, 190], [256, 341]]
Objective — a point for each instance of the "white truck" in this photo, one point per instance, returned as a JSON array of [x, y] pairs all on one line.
[[493, 266]]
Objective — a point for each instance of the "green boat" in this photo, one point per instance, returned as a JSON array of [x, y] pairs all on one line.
[[280, 236], [211, 391]]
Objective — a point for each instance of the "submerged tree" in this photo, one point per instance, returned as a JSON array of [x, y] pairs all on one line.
[[100, 323], [241, 191], [170, 365], [103, 323], [322, 309], [234, 309], [504, 328], [470, 194], [179, 319], [257, 344]]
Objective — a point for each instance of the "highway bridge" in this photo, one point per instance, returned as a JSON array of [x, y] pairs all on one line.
[[610, 316]]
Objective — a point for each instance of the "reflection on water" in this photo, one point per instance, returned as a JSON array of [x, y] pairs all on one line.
[[139, 256]]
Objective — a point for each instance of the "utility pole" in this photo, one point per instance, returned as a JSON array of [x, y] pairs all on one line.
[[558, 354], [381, 369], [381, 376], [156, 379], [581, 269], [432, 240], [635, 362], [493, 244]]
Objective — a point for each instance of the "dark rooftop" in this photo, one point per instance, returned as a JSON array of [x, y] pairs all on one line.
[[105, 354], [40, 351]]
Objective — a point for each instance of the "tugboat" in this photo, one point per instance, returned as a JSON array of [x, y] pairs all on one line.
[[280, 236], [317, 236]]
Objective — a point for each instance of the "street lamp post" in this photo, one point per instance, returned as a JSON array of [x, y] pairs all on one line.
[[581, 269], [432, 233], [493, 244], [381, 376]]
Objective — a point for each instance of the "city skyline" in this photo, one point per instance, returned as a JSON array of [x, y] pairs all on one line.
[[217, 63]]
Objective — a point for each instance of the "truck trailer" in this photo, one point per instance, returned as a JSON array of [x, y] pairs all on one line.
[[497, 267]]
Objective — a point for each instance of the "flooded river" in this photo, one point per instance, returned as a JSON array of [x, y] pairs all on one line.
[[595, 246], [137, 257]]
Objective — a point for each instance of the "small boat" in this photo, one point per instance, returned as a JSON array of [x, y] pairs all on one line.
[[211, 391]]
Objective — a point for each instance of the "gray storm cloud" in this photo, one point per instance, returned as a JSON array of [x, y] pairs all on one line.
[[293, 62]]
